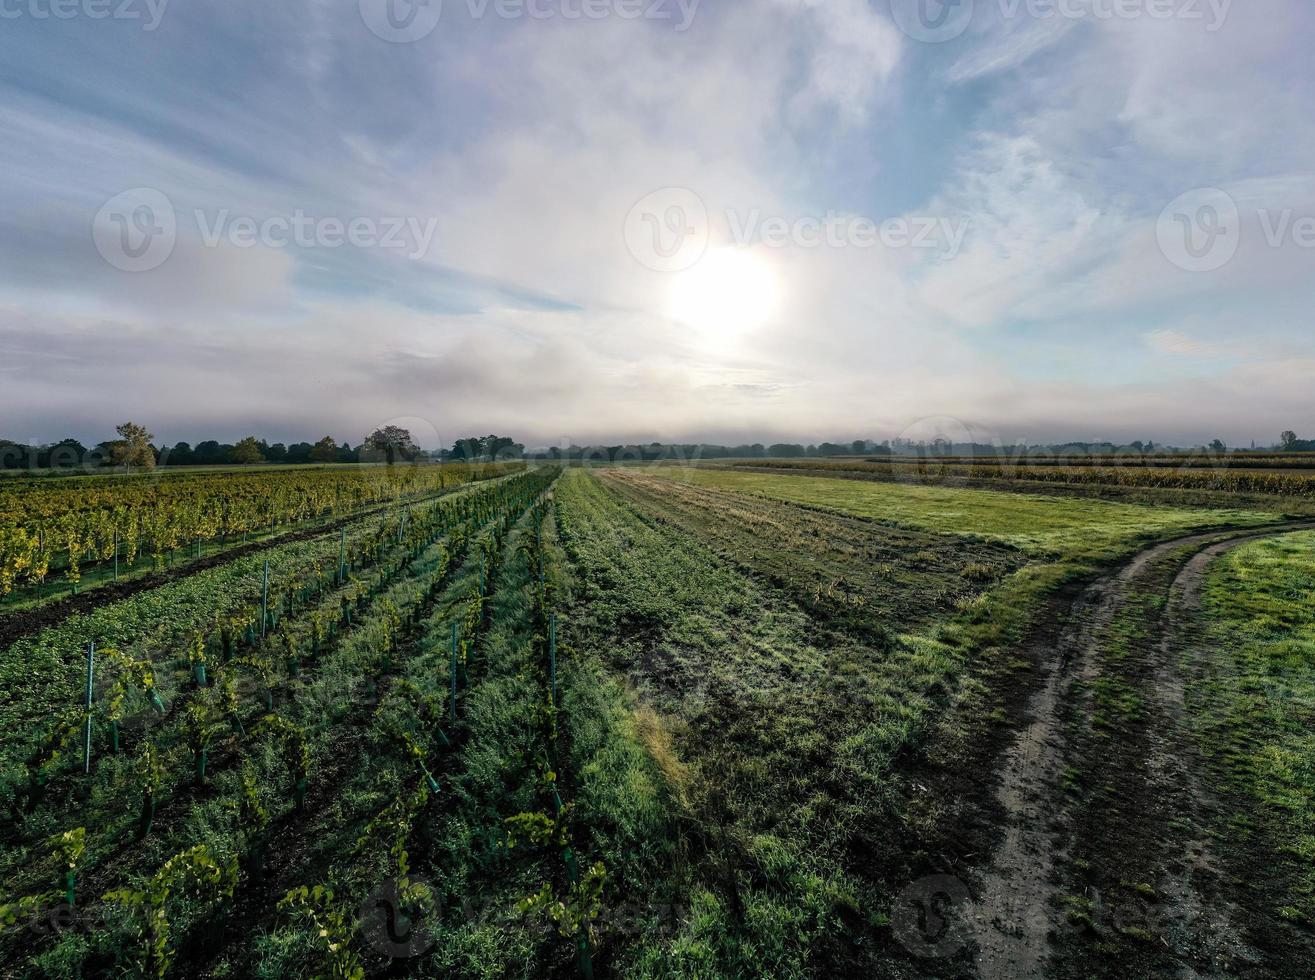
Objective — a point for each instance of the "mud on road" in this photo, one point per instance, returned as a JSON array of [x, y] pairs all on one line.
[[1107, 864]]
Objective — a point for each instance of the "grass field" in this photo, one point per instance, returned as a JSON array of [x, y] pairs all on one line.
[[636, 722], [1256, 702], [1038, 524]]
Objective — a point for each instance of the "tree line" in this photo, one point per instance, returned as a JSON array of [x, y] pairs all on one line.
[[135, 448]]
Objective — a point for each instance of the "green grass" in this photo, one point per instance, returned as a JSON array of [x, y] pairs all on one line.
[[754, 674], [1258, 705], [1037, 523], [1066, 538], [790, 740]]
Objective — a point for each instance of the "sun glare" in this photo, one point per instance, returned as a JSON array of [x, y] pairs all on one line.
[[729, 293]]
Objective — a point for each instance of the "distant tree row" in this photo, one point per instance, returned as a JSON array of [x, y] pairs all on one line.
[[1289, 443], [656, 451], [135, 449]]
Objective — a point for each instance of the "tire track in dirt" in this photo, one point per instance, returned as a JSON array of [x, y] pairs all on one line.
[[1198, 928], [1016, 909]]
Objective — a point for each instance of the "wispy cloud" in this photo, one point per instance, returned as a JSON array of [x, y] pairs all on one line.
[[1056, 142]]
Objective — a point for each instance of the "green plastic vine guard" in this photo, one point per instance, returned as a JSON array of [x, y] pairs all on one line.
[[453, 712], [86, 731], [552, 656], [264, 600]]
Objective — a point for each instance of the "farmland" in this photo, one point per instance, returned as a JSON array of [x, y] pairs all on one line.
[[52, 529], [655, 722], [1261, 480]]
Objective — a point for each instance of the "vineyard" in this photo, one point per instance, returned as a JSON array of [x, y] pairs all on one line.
[[50, 527], [533, 722], [1177, 460], [1188, 474]]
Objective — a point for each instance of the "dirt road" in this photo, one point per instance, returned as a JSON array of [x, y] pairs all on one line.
[[1107, 865]]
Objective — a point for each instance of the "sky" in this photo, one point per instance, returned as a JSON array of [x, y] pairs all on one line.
[[602, 221]]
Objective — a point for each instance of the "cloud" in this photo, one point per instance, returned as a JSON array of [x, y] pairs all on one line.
[[1058, 142], [1011, 45], [1178, 343]]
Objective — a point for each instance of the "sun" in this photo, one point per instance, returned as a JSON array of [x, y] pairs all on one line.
[[729, 293]]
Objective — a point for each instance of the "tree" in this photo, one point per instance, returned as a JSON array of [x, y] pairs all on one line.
[[502, 447], [208, 453], [277, 453], [859, 447], [324, 451], [248, 451], [391, 443], [1217, 446], [67, 453], [488, 447], [133, 447], [180, 455], [1288, 441], [467, 449]]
